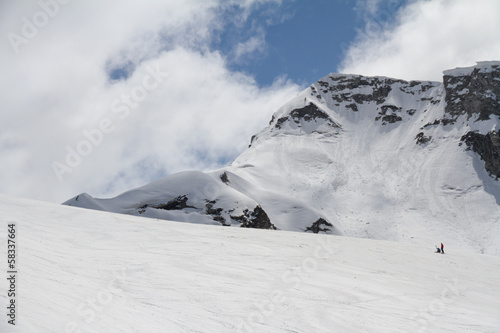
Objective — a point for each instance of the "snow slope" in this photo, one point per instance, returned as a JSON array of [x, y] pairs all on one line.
[[90, 271], [372, 179], [369, 157]]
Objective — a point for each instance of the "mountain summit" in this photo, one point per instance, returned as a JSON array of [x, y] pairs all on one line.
[[371, 157]]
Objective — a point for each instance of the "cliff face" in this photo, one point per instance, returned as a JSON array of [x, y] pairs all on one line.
[[474, 93], [359, 156], [488, 148]]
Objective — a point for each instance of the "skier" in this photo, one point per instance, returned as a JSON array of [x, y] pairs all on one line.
[[442, 248]]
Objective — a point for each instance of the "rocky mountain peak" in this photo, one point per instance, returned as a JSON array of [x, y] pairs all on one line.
[[353, 155], [473, 91]]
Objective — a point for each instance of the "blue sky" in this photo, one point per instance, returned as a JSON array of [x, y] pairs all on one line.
[[302, 40], [145, 89], [308, 44], [308, 39]]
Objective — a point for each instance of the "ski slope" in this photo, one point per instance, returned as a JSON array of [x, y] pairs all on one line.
[[91, 271]]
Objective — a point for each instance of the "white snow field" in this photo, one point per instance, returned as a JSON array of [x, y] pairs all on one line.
[[83, 270]]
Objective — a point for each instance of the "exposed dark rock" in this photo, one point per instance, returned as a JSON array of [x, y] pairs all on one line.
[[426, 87], [344, 89], [240, 218], [221, 220], [444, 121], [411, 112], [434, 123], [271, 121], [421, 138], [176, 204], [321, 225], [416, 87], [323, 84], [391, 118], [386, 108], [307, 113], [254, 138], [142, 209], [488, 147], [353, 107], [409, 92], [280, 122], [473, 94], [215, 212], [381, 87], [224, 178], [337, 99], [254, 219]]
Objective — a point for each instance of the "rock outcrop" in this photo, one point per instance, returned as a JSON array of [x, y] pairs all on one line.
[[473, 91], [488, 147]]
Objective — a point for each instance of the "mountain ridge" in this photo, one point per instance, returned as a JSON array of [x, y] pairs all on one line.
[[372, 157]]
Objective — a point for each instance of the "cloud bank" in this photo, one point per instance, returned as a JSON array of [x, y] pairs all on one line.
[[423, 38], [100, 97], [104, 96]]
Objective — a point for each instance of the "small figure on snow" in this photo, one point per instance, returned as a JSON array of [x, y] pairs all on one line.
[[438, 250], [442, 248]]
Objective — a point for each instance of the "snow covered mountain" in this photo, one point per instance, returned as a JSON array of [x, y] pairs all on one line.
[[370, 157]]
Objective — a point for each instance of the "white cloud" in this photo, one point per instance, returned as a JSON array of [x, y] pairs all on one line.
[[255, 44], [368, 8], [424, 38], [56, 94]]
